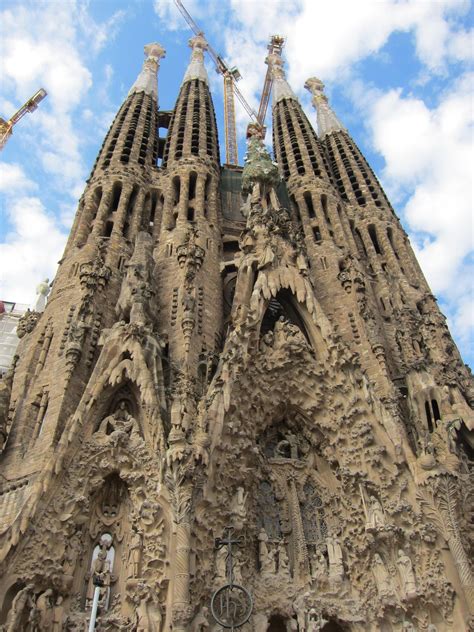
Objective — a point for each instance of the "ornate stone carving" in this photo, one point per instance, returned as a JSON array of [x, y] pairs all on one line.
[[27, 323]]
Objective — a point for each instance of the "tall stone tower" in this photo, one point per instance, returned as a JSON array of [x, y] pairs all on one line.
[[241, 407]]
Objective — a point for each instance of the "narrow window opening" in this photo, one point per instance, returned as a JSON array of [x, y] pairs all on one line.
[[373, 237], [116, 193], [429, 419], [190, 214], [324, 206], [309, 203], [192, 185], [316, 233], [176, 189], [435, 407], [108, 228]]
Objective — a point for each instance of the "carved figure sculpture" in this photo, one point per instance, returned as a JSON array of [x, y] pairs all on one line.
[[381, 576], [42, 290], [266, 555], [336, 567], [319, 567], [407, 576], [135, 552], [375, 518], [21, 602], [283, 562], [120, 426], [44, 608]]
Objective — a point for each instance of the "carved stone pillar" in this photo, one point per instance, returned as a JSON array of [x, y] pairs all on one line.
[[102, 212]]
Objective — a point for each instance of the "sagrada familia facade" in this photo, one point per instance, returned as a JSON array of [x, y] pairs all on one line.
[[241, 407]]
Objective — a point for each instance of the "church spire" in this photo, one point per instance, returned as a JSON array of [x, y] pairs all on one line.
[[281, 87], [327, 119], [147, 81], [196, 68]]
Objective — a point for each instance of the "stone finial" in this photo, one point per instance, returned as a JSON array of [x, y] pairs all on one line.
[[281, 87], [327, 119], [196, 68], [147, 79]]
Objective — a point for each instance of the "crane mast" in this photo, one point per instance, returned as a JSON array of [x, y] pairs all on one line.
[[231, 76], [6, 127]]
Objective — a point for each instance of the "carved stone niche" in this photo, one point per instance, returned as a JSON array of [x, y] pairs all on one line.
[[119, 426], [107, 546]]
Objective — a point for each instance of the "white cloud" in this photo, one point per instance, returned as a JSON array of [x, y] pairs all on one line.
[[13, 179], [32, 249], [38, 53]]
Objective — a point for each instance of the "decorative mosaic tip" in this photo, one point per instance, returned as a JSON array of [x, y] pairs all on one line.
[[147, 81], [196, 68], [281, 87], [327, 119]]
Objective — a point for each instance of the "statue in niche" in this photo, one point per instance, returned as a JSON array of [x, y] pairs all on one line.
[[238, 509], [58, 614], [407, 576], [265, 555], [101, 568], [221, 565], [283, 561], [121, 427], [336, 566], [382, 579], [41, 614], [319, 567], [135, 552], [148, 613], [375, 515], [23, 599]]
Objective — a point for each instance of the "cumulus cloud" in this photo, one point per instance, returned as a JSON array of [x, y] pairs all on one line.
[[32, 248], [50, 45], [38, 53]]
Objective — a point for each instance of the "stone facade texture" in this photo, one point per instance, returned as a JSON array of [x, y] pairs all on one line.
[[255, 349]]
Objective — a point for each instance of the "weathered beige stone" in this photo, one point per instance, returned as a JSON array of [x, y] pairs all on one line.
[[284, 372]]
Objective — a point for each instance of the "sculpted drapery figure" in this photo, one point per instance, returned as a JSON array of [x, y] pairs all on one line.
[[336, 566], [407, 576]]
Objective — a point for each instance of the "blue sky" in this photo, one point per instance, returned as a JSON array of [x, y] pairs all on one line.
[[398, 73]]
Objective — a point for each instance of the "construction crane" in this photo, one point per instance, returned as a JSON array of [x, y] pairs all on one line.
[[6, 127], [231, 75], [274, 47]]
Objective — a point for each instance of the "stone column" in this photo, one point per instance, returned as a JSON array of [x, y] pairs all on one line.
[[102, 212], [121, 212]]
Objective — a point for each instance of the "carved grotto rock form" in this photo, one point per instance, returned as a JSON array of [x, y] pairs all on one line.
[[253, 348]]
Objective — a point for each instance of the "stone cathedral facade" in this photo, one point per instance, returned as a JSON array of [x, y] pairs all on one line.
[[250, 348]]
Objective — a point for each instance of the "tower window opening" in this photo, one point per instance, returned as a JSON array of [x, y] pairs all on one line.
[[324, 206], [130, 207], [373, 237], [309, 204], [190, 214], [192, 185], [359, 241], [429, 418], [154, 203], [108, 228], [176, 190], [317, 234], [435, 408], [116, 193]]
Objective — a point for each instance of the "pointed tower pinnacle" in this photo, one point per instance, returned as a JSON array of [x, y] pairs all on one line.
[[327, 119], [281, 87], [147, 81], [196, 68]]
